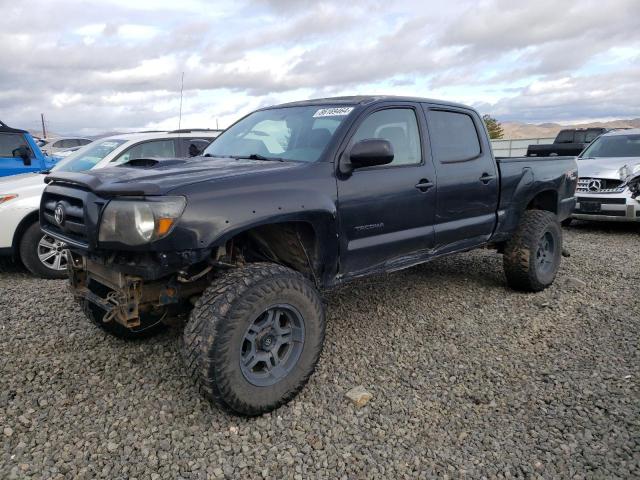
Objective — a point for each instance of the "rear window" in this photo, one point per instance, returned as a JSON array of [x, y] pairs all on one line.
[[565, 136], [454, 137]]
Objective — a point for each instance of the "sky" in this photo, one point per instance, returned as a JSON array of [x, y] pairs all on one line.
[[98, 66]]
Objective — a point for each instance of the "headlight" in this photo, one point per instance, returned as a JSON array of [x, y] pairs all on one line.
[[627, 171], [6, 197], [136, 222]]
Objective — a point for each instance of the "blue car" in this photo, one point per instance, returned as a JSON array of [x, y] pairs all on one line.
[[19, 153]]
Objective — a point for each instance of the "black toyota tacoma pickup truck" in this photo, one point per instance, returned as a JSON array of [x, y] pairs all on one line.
[[290, 200], [570, 141]]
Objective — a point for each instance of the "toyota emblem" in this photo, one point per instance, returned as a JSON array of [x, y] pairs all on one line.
[[58, 214], [594, 185]]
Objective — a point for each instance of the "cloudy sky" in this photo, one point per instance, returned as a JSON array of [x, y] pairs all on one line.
[[95, 66]]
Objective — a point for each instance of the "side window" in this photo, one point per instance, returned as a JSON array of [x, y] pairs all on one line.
[[153, 149], [194, 146], [453, 135], [83, 141], [9, 142], [59, 144], [400, 127]]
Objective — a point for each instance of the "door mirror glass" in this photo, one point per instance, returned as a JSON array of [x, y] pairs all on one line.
[[23, 152], [371, 152]]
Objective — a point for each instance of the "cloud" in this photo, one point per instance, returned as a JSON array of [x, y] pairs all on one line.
[[117, 64]]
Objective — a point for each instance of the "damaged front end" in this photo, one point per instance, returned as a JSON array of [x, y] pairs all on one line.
[[125, 298], [633, 183]]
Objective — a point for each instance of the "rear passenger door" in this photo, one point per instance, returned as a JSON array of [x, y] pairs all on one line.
[[468, 180]]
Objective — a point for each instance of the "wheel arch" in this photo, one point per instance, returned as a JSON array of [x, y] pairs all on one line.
[[22, 227], [546, 199], [307, 244]]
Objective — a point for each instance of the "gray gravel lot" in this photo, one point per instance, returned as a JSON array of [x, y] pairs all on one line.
[[469, 379]]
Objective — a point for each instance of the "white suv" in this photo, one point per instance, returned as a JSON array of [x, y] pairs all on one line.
[[608, 172], [20, 235], [51, 146]]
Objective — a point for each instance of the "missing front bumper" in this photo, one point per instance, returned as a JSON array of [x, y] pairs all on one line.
[[125, 297]]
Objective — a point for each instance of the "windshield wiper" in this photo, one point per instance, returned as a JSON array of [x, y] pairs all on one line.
[[257, 156]]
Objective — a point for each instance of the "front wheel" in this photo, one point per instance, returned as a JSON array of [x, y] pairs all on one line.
[[532, 256], [44, 256], [254, 338]]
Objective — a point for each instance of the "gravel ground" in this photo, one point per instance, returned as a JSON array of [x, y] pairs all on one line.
[[469, 379]]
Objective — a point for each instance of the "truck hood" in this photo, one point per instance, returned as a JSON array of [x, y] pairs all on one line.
[[159, 176], [605, 167]]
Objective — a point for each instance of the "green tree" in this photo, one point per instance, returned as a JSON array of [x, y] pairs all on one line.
[[493, 126]]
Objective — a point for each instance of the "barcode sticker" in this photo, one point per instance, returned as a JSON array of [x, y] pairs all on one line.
[[333, 112]]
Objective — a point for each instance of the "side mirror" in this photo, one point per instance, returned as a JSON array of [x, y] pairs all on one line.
[[23, 152], [370, 152], [194, 151]]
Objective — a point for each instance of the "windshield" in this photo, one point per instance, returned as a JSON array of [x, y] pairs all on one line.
[[613, 146], [87, 157], [293, 133]]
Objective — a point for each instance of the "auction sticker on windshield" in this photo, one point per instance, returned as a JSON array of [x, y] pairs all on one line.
[[333, 112]]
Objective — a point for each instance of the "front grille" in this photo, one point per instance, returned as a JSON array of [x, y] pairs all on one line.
[[73, 224], [599, 185], [81, 212]]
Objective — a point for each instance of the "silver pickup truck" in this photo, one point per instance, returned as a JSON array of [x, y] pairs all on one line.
[[609, 178]]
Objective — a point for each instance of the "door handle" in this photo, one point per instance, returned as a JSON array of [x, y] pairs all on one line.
[[423, 185], [486, 178]]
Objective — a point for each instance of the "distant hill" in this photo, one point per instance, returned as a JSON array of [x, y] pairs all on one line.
[[544, 130]]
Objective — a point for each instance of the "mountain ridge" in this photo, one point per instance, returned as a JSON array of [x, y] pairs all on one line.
[[516, 130]]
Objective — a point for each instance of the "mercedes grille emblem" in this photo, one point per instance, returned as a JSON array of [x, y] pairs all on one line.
[[58, 214], [594, 185]]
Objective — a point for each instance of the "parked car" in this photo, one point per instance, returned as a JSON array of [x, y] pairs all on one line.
[[296, 198], [66, 152], [570, 141], [19, 152], [20, 235], [609, 172], [54, 145]]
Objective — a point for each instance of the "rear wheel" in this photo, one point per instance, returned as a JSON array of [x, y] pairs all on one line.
[[42, 254], [254, 338], [532, 256]]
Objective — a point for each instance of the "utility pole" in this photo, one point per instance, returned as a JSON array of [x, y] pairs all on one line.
[[44, 130], [181, 89]]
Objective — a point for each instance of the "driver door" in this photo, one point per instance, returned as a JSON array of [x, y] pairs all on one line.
[[11, 164], [387, 212]]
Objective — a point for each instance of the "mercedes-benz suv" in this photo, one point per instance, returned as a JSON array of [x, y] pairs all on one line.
[[609, 177]]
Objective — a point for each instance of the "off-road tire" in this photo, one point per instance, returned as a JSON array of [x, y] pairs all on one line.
[[150, 325], [520, 266], [28, 250], [212, 339]]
